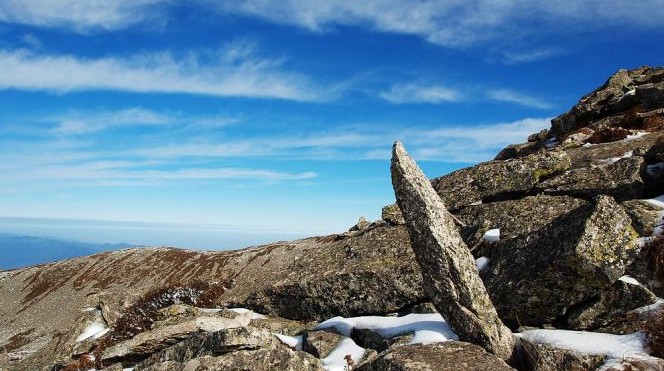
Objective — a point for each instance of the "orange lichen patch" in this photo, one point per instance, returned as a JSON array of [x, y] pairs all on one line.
[[17, 341], [606, 135]]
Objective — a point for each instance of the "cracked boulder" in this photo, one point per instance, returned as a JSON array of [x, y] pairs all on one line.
[[535, 278], [496, 180], [620, 179], [621, 297]]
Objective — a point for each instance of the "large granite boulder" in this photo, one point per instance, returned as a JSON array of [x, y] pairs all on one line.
[[535, 278], [618, 299], [450, 355], [449, 274], [365, 274], [514, 218]]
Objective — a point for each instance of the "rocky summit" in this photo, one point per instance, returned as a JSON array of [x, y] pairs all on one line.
[[549, 257]]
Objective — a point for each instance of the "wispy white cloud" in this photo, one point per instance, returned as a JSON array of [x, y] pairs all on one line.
[[90, 121], [512, 57], [449, 143], [227, 74], [87, 122], [80, 16], [32, 41], [455, 23], [506, 95], [420, 93]]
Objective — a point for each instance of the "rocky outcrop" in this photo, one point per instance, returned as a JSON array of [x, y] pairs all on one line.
[[536, 278], [619, 178], [498, 180], [628, 98], [450, 277], [451, 355], [568, 207]]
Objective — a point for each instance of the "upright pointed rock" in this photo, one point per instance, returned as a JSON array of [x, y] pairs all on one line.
[[450, 277]]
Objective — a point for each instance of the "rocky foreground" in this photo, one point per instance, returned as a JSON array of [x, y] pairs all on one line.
[[560, 226]]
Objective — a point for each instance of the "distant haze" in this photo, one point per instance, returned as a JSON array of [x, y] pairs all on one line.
[[25, 241]]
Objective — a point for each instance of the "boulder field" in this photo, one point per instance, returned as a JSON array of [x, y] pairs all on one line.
[[555, 234]]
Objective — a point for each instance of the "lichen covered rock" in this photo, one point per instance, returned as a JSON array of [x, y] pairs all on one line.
[[534, 278], [449, 274]]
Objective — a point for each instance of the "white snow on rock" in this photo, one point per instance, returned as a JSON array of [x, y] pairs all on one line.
[[482, 262], [630, 280], [637, 135], [616, 347], [492, 235], [612, 160], [294, 342], [335, 361], [651, 308], [428, 327], [254, 315], [94, 330]]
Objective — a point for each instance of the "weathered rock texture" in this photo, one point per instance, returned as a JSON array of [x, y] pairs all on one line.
[[536, 278], [450, 277], [451, 355], [568, 203]]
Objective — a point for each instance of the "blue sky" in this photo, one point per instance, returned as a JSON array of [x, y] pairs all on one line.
[[279, 115]]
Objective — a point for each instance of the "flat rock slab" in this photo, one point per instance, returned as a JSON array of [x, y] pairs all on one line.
[[496, 180], [255, 360], [450, 355]]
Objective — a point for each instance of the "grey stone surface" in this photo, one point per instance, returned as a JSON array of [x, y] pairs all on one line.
[[450, 277], [450, 355], [533, 279]]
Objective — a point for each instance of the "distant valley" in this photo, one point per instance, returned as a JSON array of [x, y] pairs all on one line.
[[18, 251]]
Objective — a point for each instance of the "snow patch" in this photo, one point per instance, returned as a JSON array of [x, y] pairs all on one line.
[[294, 342], [638, 134], [492, 235], [614, 346], [94, 330], [481, 263], [654, 307], [630, 280], [428, 327], [613, 160], [335, 360], [254, 315]]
